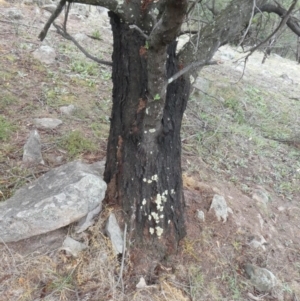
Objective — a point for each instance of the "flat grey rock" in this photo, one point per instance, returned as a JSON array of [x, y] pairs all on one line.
[[32, 154], [60, 197], [45, 54], [47, 123], [262, 279], [114, 233]]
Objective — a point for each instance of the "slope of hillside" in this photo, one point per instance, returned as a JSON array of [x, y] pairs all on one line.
[[241, 140]]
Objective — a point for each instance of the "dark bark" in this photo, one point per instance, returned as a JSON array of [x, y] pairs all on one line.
[[143, 168]]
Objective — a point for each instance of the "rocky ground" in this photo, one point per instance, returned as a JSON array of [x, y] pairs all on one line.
[[241, 137]]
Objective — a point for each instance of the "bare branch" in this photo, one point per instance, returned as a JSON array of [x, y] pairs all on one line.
[[112, 5], [187, 69], [249, 24], [291, 22], [69, 37], [282, 23], [52, 18], [139, 30], [224, 28], [66, 16], [191, 8]]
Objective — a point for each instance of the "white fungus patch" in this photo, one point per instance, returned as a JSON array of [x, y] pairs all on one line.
[[144, 202], [155, 215], [152, 130], [154, 177], [159, 231], [151, 230]]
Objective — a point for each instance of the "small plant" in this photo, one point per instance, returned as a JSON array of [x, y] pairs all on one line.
[[85, 68], [6, 128], [157, 97], [96, 35], [75, 143], [105, 75], [196, 282]]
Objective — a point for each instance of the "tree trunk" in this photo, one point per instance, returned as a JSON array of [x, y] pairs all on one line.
[[143, 168]]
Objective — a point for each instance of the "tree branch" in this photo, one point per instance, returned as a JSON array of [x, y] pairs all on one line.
[[249, 24], [52, 18], [282, 23], [163, 33], [69, 37], [225, 27], [112, 5], [187, 69], [292, 22]]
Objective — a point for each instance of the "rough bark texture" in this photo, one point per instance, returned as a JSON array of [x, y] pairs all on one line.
[[143, 168]]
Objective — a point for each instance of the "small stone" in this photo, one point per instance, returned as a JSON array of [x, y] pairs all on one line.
[[254, 243], [67, 110], [220, 207], [72, 246], [200, 215], [142, 283], [47, 123], [45, 54], [262, 279], [14, 13], [32, 153], [114, 233], [261, 196], [80, 37], [50, 8]]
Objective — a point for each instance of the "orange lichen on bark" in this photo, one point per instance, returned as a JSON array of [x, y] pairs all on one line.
[[142, 105]]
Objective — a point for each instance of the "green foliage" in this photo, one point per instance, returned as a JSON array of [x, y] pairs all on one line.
[[6, 128], [105, 74], [96, 35], [75, 143], [235, 106], [156, 97], [84, 67], [196, 284]]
